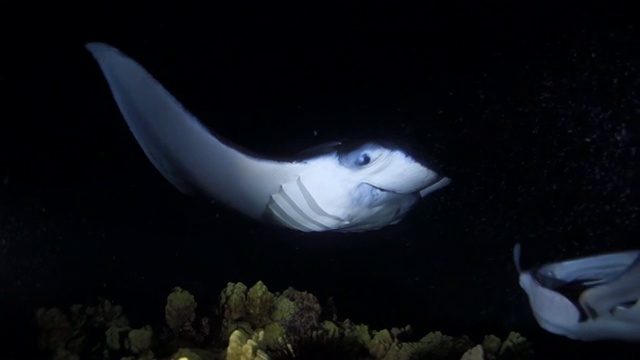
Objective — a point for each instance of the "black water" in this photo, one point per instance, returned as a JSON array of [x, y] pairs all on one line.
[[533, 110]]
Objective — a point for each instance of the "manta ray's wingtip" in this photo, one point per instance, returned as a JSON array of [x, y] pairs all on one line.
[[96, 47], [93, 45]]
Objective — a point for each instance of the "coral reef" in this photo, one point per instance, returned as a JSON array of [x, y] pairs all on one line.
[[293, 312], [180, 315], [251, 323]]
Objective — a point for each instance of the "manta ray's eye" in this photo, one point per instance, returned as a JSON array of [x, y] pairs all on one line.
[[363, 159], [360, 157]]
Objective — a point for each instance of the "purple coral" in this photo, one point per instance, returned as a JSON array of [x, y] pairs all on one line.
[[306, 318]]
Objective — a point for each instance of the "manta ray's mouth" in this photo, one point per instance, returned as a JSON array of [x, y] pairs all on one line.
[[377, 188], [437, 183], [388, 191]]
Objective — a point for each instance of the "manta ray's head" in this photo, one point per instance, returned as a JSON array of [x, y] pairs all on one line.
[[351, 189], [386, 185], [390, 169]]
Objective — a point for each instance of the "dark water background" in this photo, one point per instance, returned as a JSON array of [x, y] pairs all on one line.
[[533, 110]]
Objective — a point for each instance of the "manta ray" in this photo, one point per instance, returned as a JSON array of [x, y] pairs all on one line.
[[342, 189], [590, 298]]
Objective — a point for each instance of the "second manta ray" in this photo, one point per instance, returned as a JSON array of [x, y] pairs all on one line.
[[590, 298], [364, 189]]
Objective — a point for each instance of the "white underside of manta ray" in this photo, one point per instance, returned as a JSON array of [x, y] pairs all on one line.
[[363, 189], [590, 298]]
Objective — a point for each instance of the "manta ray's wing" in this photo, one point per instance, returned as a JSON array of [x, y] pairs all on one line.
[[619, 295], [182, 149], [608, 303]]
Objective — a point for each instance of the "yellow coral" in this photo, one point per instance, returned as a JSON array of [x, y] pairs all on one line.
[[272, 333], [185, 354], [380, 344], [516, 346], [285, 309], [259, 302], [180, 310], [359, 334], [139, 340], [241, 347], [491, 344], [475, 353], [233, 301], [331, 330]]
